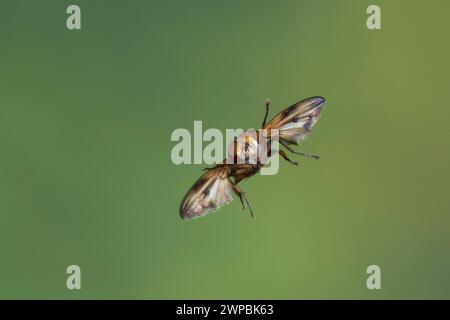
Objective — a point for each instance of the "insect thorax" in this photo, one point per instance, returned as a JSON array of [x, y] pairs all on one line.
[[250, 147]]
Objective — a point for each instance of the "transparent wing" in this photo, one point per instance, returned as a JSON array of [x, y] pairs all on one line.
[[211, 191], [296, 122]]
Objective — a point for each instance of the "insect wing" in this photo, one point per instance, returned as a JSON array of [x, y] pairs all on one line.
[[211, 191], [243, 171], [296, 122]]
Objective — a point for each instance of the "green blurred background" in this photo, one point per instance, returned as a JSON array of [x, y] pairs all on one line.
[[86, 176]]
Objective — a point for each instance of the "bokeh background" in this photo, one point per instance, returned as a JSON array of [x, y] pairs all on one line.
[[86, 176]]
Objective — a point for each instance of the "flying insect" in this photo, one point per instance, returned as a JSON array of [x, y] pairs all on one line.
[[247, 154]]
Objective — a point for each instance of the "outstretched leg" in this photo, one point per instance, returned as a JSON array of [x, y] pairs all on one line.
[[300, 153], [284, 155], [242, 197], [267, 103], [210, 168]]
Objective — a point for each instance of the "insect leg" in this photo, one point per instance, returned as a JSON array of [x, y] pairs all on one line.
[[300, 153], [284, 155], [210, 168], [239, 194], [267, 103], [242, 196]]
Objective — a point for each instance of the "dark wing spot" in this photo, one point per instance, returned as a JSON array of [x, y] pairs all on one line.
[[307, 125], [199, 183]]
